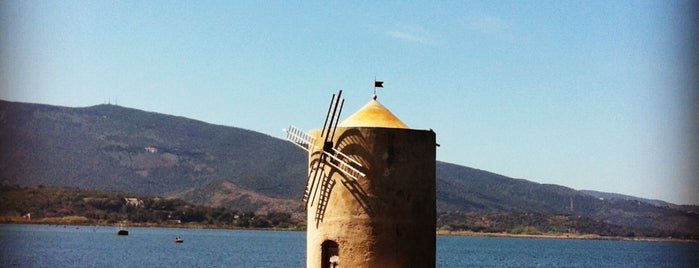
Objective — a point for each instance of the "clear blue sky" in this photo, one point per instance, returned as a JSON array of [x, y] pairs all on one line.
[[585, 94]]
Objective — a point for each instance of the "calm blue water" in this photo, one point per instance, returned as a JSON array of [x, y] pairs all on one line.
[[456, 251], [82, 246]]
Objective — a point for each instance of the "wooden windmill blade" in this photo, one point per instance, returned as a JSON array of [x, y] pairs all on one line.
[[333, 123], [330, 150], [310, 189], [299, 138], [329, 126], [327, 116], [343, 166], [328, 154], [306, 142]]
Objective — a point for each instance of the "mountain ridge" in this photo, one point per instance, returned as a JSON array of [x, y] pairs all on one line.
[[118, 148]]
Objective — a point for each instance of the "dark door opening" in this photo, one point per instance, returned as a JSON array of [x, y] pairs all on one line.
[[330, 254]]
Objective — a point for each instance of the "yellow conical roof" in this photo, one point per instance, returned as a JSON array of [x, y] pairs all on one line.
[[373, 114]]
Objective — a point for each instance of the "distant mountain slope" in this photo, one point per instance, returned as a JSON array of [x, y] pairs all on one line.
[[116, 148], [465, 189], [604, 195]]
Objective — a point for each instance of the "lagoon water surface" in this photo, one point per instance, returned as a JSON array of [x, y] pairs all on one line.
[[87, 246]]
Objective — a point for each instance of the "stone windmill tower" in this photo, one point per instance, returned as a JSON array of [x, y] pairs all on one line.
[[370, 192]]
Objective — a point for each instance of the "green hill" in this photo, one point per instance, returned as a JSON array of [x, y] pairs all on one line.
[[58, 205]]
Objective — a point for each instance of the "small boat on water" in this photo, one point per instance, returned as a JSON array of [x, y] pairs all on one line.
[[121, 230], [179, 240]]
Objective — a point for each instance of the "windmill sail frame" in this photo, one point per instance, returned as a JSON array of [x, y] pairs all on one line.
[[300, 138], [329, 155]]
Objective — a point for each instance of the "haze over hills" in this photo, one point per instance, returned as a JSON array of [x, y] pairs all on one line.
[[117, 148]]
